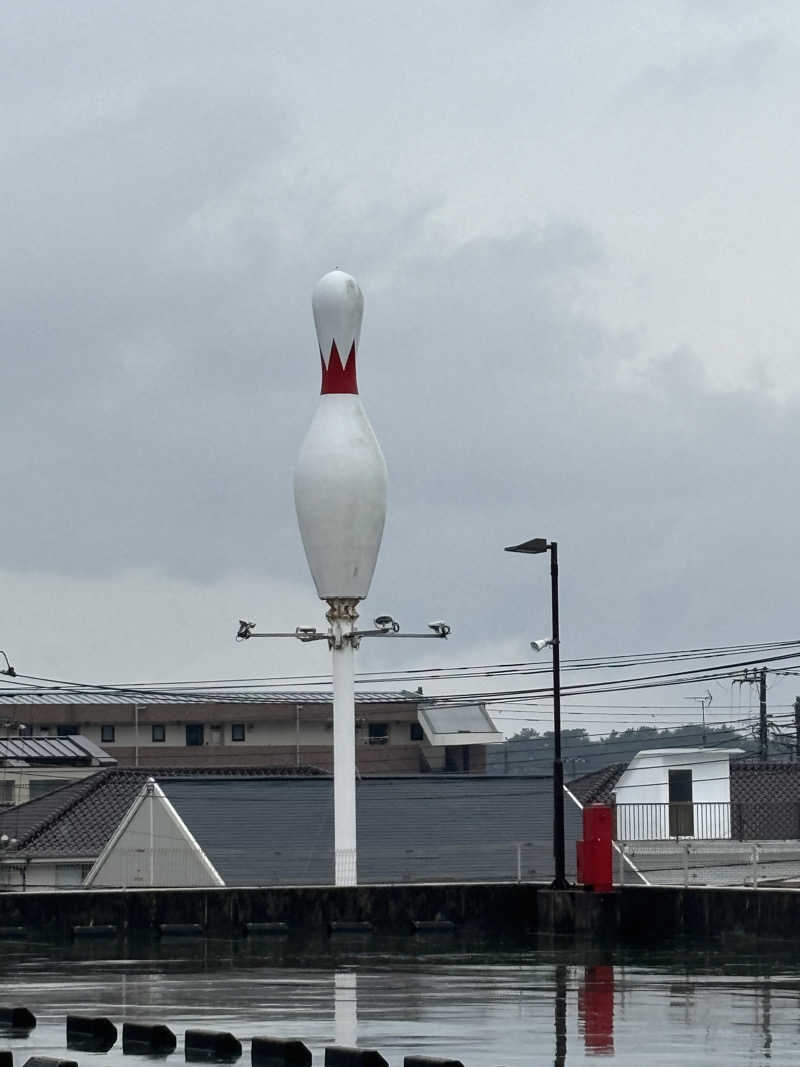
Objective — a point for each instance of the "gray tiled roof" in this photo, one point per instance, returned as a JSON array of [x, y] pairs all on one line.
[[597, 787], [77, 819], [116, 695]]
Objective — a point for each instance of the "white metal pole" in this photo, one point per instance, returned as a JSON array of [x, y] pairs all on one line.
[[151, 802], [344, 744]]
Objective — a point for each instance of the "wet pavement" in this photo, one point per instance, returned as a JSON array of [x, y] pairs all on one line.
[[535, 1002]]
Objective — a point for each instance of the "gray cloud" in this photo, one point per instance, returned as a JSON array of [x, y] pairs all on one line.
[[177, 182]]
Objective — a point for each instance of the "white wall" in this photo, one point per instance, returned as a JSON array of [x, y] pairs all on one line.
[[153, 849], [645, 785]]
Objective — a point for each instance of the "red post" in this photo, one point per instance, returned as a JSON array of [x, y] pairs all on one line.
[[594, 851]]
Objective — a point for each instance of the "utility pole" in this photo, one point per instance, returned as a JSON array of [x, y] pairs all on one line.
[[797, 729], [762, 715]]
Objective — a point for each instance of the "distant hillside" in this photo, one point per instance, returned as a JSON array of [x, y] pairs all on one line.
[[530, 752]]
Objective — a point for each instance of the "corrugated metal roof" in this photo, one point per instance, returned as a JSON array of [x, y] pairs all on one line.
[[24, 751], [427, 828], [260, 828], [11, 697]]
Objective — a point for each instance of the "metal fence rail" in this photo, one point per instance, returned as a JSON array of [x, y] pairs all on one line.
[[719, 863], [167, 864], [708, 821]]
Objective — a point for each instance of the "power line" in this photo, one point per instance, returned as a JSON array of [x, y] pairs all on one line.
[[446, 673]]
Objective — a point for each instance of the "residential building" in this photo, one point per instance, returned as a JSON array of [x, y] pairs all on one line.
[[275, 827], [32, 766], [700, 817], [396, 732]]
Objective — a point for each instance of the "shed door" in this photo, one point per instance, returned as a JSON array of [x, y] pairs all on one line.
[[681, 808]]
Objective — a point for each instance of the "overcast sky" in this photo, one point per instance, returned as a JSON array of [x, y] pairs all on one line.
[[576, 229]]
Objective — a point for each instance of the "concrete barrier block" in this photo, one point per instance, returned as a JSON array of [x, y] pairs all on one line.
[[143, 1039], [432, 925], [353, 927], [343, 1056], [49, 1061], [90, 1033], [99, 930], [279, 1052], [17, 1019], [211, 1045], [181, 929], [430, 1061], [267, 928]]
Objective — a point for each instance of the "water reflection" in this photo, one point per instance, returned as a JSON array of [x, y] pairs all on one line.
[[530, 1004], [345, 1007], [560, 1003], [596, 1008]]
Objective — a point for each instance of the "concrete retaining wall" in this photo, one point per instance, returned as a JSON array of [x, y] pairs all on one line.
[[390, 910], [634, 913]]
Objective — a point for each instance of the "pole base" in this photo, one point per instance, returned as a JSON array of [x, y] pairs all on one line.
[[346, 869]]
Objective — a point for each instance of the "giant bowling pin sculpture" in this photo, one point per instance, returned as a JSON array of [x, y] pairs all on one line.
[[340, 499]]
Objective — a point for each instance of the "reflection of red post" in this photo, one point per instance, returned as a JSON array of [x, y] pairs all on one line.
[[596, 1009], [594, 851]]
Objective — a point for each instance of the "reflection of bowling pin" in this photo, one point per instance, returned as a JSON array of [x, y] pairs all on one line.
[[340, 499], [345, 1008], [340, 480]]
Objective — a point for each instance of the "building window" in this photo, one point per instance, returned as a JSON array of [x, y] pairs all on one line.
[[159, 732], [416, 732], [106, 734], [25, 730], [237, 731], [378, 733], [194, 733], [44, 730], [67, 729], [6, 791]]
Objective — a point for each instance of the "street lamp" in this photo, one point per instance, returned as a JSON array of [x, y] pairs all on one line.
[[536, 547]]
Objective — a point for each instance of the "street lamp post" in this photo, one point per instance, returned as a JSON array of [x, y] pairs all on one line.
[[536, 547]]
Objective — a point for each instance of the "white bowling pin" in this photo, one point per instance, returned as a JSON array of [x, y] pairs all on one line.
[[340, 480]]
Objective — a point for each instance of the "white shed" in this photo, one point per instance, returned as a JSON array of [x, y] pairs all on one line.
[[675, 792], [152, 846]]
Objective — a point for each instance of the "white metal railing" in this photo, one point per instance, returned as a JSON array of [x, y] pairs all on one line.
[[500, 861], [710, 821], [709, 863], [740, 820]]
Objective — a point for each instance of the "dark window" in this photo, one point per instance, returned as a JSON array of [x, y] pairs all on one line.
[[106, 734], [237, 731], [194, 733], [25, 730], [416, 732], [681, 809], [6, 792], [67, 729], [378, 733], [160, 732]]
